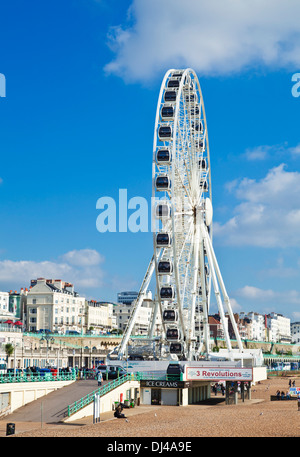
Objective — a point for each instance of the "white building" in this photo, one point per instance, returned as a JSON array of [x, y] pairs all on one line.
[[4, 302], [53, 305], [127, 297], [279, 327], [122, 313], [295, 332], [143, 319], [257, 327], [112, 317], [100, 317]]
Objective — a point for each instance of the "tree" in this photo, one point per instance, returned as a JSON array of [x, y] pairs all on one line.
[[9, 350]]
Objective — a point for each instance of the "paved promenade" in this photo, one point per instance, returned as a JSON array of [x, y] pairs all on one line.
[[51, 408]]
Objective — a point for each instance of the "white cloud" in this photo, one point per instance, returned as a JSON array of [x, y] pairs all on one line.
[[279, 270], [83, 257], [235, 306], [258, 153], [268, 296], [79, 267], [215, 37], [295, 150], [255, 293], [269, 212], [264, 152]]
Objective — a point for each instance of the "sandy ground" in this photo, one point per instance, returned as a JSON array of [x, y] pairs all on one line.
[[258, 417]]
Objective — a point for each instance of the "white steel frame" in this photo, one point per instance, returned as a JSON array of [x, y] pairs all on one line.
[[189, 196]]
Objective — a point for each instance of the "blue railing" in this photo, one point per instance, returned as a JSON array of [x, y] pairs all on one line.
[[89, 398], [36, 377]]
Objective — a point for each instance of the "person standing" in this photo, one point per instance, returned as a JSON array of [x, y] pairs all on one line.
[[99, 378]]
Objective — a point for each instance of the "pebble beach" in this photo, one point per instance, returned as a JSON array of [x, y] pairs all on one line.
[[258, 417]]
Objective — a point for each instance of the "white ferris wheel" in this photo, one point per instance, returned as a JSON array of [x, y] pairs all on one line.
[[184, 263]]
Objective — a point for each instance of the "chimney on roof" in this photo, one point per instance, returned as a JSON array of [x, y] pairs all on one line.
[[58, 283]]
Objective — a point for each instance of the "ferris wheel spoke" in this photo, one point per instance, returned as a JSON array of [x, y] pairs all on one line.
[[186, 189], [187, 172], [186, 240]]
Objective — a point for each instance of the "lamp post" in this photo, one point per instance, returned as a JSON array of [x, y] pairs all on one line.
[[15, 358], [48, 339]]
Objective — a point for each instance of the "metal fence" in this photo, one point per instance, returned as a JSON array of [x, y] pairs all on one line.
[[89, 398], [36, 377]]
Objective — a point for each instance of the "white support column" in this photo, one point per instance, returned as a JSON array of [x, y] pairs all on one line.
[[204, 301], [216, 286], [153, 319], [191, 322], [137, 306], [226, 297]]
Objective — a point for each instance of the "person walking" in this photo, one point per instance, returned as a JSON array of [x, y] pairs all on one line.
[[99, 378]]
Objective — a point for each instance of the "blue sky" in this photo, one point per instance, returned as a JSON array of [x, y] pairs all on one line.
[[82, 83]]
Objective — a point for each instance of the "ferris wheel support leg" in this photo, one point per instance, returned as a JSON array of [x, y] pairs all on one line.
[[137, 306], [216, 287], [204, 302], [226, 297], [191, 331], [153, 319]]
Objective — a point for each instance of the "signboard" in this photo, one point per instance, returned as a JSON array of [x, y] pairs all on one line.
[[217, 373], [164, 384], [294, 391]]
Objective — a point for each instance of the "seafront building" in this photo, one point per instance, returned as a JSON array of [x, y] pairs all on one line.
[[256, 325], [122, 312], [100, 317], [272, 327], [295, 332], [127, 297], [82, 332], [279, 328], [4, 309], [53, 305]]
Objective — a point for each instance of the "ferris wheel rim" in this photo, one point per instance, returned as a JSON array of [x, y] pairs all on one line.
[[179, 97]]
